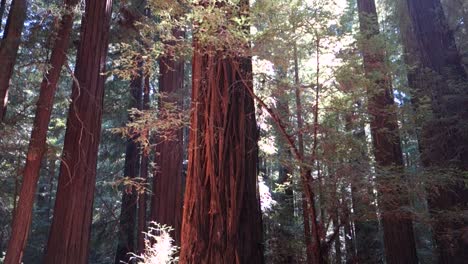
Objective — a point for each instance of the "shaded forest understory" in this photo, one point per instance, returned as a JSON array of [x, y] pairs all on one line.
[[233, 131]]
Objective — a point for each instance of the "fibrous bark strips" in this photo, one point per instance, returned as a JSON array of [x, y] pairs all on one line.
[[70, 231], [221, 218]]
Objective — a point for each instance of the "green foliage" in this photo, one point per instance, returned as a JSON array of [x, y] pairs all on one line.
[[328, 61]]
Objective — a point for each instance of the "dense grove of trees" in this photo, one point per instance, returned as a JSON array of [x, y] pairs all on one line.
[[234, 131]]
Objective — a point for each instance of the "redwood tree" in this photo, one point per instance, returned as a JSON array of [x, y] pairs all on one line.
[[366, 224], [221, 218], [444, 138], [311, 233], [9, 48], [166, 202], [70, 231], [399, 240], [37, 144], [128, 211]]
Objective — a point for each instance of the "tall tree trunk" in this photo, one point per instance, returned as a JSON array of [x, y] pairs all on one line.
[[70, 231], [310, 220], [222, 218], [336, 225], [144, 166], [349, 237], [167, 199], [50, 186], [366, 223], [307, 234], [418, 80], [398, 228], [37, 144], [133, 205], [444, 138], [128, 211], [9, 49]]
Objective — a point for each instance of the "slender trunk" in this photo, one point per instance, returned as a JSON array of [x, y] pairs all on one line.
[[222, 217], [398, 229], [348, 230], [144, 166], [17, 187], [307, 235], [313, 243], [337, 206], [336, 224], [70, 231], [167, 199], [37, 144], [9, 49], [316, 225], [2, 229], [50, 186], [128, 211], [444, 138], [366, 224]]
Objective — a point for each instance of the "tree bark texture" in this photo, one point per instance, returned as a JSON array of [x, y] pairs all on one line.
[[9, 49], [222, 218], [399, 240], [37, 144], [311, 224], [128, 211], [70, 231], [444, 138], [167, 199]]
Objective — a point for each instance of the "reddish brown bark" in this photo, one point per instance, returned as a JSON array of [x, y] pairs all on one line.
[[222, 218], [399, 241], [37, 144], [128, 211], [9, 49], [167, 199], [307, 234], [70, 231], [312, 239], [221, 214], [440, 75], [133, 207]]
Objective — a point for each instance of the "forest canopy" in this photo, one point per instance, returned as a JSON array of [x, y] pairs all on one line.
[[233, 131]]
